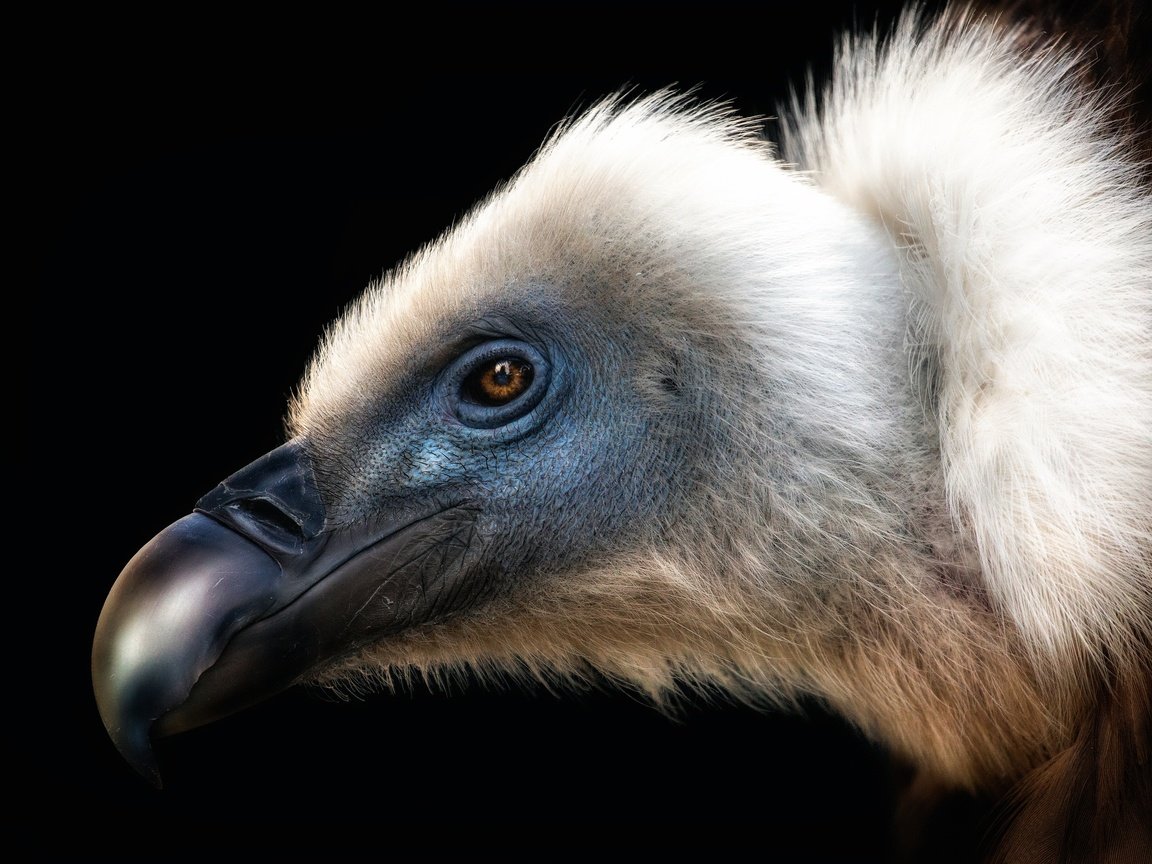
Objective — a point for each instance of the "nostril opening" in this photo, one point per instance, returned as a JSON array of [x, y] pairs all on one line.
[[267, 514]]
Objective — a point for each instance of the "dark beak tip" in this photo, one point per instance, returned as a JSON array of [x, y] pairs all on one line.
[[137, 751], [165, 622], [130, 734]]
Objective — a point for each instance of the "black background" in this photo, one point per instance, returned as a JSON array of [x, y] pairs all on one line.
[[205, 194]]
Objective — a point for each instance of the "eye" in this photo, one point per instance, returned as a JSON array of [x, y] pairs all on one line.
[[496, 383]]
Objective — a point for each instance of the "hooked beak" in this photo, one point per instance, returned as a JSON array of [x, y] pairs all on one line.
[[253, 592]]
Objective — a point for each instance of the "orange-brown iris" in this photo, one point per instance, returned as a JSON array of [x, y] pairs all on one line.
[[499, 381]]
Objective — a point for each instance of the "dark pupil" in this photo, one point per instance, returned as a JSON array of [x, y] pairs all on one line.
[[502, 374], [498, 381]]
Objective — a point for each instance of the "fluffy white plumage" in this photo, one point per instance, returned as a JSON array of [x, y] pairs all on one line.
[[1025, 242]]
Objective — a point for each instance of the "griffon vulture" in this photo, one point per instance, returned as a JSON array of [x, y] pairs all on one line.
[[863, 416]]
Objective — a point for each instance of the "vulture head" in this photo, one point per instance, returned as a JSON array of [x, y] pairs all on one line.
[[863, 416]]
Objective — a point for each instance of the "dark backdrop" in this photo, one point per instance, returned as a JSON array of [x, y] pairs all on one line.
[[206, 193]]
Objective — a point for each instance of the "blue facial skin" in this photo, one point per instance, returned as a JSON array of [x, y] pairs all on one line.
[[423, 502], [579, 466]]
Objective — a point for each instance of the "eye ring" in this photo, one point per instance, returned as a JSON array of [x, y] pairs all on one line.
[[497, 382]]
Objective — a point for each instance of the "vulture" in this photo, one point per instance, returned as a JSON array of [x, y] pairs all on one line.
[[862, 414]]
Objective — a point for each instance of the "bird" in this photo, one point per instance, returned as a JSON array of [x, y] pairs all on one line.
[[860, 415]]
